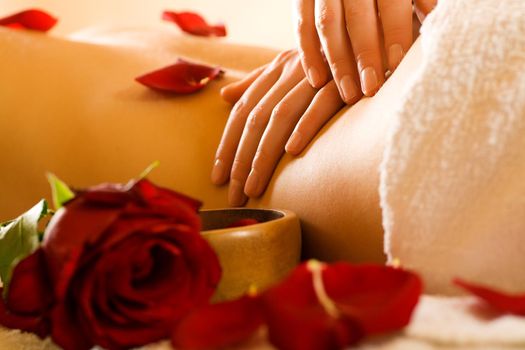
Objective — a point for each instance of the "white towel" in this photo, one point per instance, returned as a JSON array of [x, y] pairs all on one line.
[[453, 174]]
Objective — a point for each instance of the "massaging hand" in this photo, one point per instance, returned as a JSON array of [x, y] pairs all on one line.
[[276, 109], [347, 39]]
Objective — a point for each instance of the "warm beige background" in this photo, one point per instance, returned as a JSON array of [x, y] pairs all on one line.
[[260, 22]]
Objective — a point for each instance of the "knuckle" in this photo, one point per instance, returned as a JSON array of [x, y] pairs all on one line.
[[320, 97], [325, 19], [302, 25], [366, 56], [239, 107], [283, 57], [396, 32], [281, 111], [319, 103], [255, 120], [354, 9], [291, 67], [339, 65], [388, 6], [239, 169], [261, 159], [314, 111]]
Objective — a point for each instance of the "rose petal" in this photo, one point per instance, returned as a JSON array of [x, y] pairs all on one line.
[[380, 298], [30, 19], [219, 325], [29, 297], [63, 248], [152, 194], [193, 23], [297, 321], [106, 195], [182, 78], [503, 302], [133, 293], [30, 291], [65, 331], [243, 222], [34, 324]]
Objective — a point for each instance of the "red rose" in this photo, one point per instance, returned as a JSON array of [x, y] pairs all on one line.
[[126, 263]]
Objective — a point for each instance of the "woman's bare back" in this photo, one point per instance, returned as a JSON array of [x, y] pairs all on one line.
[[74, 109]]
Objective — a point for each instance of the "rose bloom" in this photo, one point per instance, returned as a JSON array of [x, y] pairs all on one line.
[[125, 264]]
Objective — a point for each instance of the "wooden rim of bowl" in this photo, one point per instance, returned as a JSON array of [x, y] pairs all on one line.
[[217, 220]]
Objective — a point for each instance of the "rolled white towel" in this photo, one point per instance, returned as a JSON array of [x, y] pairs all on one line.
[[453, 174]]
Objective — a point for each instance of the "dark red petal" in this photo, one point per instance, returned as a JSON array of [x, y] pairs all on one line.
[[29, 297], [182, 78], [297, 321], [30, 290], [203, 264], [380, 298], [68, 232], [65, 331], [143, 285], [219, 325], [243, 222], [193, 23], [153, 194], [503, 302], [103, 314], [106, 195], [30, 19], [34, 324]]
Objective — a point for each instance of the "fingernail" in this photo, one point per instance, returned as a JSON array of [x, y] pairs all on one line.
[[395, 55], [236, 196], [369, 81], [313, 76], [294, 144], [348, 88], [252, 184], [217, 173]]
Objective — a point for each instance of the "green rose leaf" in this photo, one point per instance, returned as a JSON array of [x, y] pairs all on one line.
[[60, 191], [18, 239]]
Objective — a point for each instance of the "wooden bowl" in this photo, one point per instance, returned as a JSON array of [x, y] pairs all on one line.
[[257, 255]]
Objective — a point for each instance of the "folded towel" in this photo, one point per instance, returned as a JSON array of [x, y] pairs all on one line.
[[455, 323], [464, 321], [453, 174]]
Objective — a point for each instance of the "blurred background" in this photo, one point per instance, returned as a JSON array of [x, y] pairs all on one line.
[[256, 22]]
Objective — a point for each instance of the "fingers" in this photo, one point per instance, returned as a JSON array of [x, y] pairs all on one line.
[[326, 103], [336, 46], [396, 20], [283, 119], [362, 25], [235, 125], [309, 45], [253, 131], [232, 92]]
